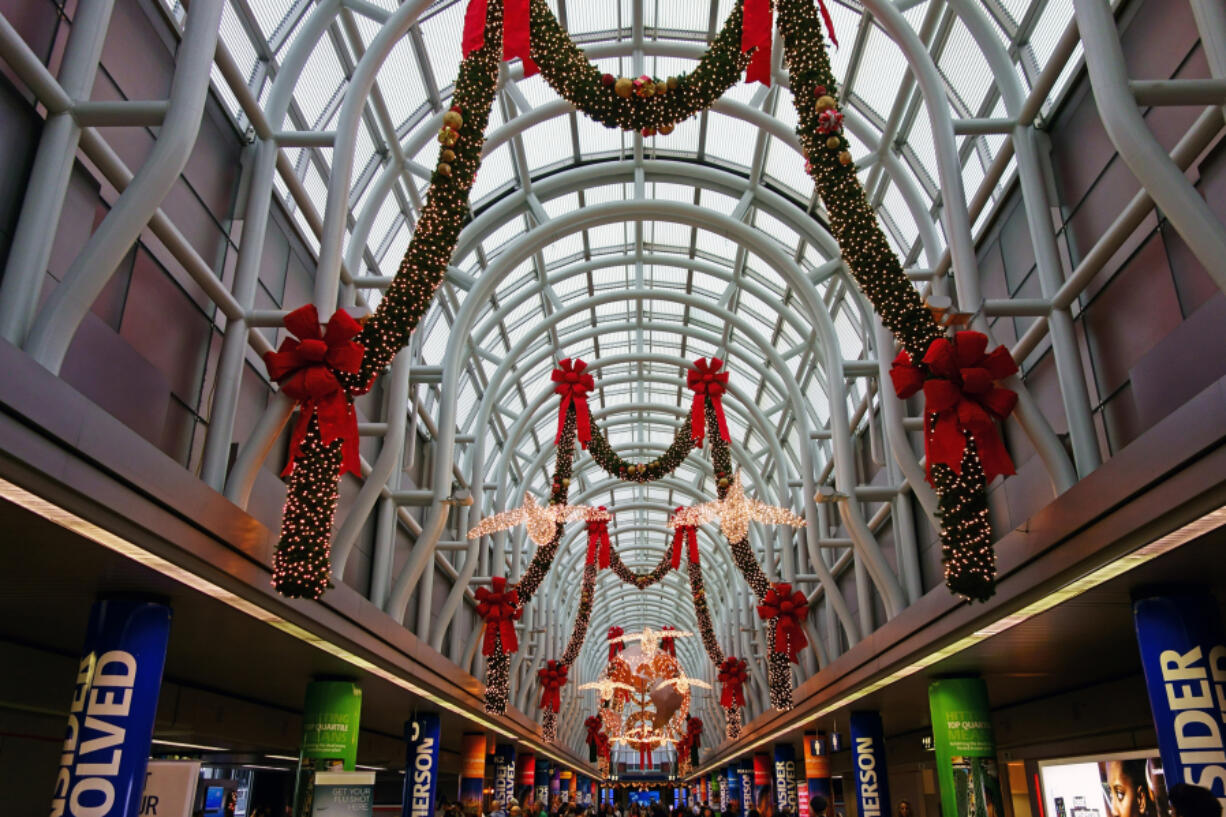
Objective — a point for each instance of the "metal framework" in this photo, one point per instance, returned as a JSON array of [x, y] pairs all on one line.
[[641, 254]]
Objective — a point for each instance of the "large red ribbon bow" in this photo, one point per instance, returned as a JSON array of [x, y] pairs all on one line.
[[306, 368], [961, 400], [733, 674], [693, 736], [573, 385], [668, 643], [789, 608], [756, 24], [615, 646], [593, 724], [500, 609], [552, 677], [707, 380], [598, 546], [682, 535], [516, 41]]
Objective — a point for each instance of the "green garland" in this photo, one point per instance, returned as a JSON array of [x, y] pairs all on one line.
[[568, 71], [613, 464]]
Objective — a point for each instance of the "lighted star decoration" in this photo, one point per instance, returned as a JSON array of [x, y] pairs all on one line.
[[734, 512], [649, 640], [643, 734], [540, 520], [683, 682], [606, 686]]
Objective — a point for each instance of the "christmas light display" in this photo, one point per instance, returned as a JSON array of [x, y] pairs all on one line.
[[734, 512], [609, 460], [540, 521]]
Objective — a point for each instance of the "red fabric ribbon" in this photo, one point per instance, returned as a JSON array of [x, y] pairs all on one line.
[[733, 674], [682, 535], [598, 546], [821, 4], [306, 368], [789, 609], [516, 41], [693, 732], [615, 646], [552, 677], [707, 380], [756, 24], [593, 724], [603, 747], [500, 609], [961, 400], [644, 754], [668, 643], [574, 385]]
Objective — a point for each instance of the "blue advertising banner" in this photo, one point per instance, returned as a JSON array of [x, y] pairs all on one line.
[[735, 799], [868, 760], [1183, 654], [542, 776], [504, 773], [421, 765], [110, 720], [745, 773], [785, 778]]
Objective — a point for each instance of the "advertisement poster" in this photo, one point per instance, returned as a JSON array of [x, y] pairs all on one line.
[[525, 775], [170, 788], [869, 765], [541, 777], [344, 794], [802, 799], [763, 789], [735, 798], [421, 735], [721, 782], [504, 773], [1183, 655], [965, 748], [1123, 785], [785, 777], [110, 719], [745, 772], [472, 771], [817, 775], [330, 720]]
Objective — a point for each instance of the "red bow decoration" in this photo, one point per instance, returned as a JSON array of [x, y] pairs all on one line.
[[789, 609], [306, 368], [515, 31], [961, 400], [615, 646], [500, 609], [603, 747], [574, 385], [668, 643], [693, 736], [598, 547], [756, 25], [593, 724], [682, 535], [732, 674], [552, 677], [707, 380]]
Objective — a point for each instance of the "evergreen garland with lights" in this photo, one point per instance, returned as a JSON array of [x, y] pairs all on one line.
[[645, 103], [613, 464], [966, 533], [302, 563]]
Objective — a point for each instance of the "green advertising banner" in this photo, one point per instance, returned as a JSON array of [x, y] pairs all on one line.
[[966, 751], [330, 724]]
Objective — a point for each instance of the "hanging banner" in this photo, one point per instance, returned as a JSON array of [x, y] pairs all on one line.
[[735, 798], [763, 791], [504, 773], [472, 771], [421, 765], [966, 751], [541, 781], [703, 791], [110, 719], [1183, 654], [744, 771], [170, 788], [572, 785], [817, 776], [719, 788], [802, 798], [330, 720], [868, 761], [555, 782], [785, 777], [525, 776], [344, 794]]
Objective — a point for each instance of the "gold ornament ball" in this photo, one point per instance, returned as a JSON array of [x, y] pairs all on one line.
[[833, 142], [673, 82], [453, 120], [723, 482], [825, 103], [665, 130], [444, 168], [845, 157], [448, 155], [447, 137], [647, 90], [661, 88], [624, 87], [566, 481]]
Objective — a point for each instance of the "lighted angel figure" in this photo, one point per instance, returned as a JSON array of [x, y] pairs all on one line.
[[734, 512], [649, 640], [683, 682], [606, 687], [540, 521]]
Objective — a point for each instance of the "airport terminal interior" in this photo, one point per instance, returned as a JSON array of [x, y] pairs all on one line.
[[623, 408]]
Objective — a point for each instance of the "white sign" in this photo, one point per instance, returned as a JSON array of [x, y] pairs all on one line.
[[170, 788]]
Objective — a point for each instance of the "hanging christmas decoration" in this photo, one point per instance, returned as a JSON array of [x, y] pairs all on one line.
[[668, 641], [598, 545], [499, 608], [616, 643], [540, 521], [573, 384], [594, 726], [552, 677], [734, 511], [708, 384]]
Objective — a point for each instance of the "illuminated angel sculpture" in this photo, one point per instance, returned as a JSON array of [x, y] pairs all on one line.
[[734, 512], [540, 521]]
